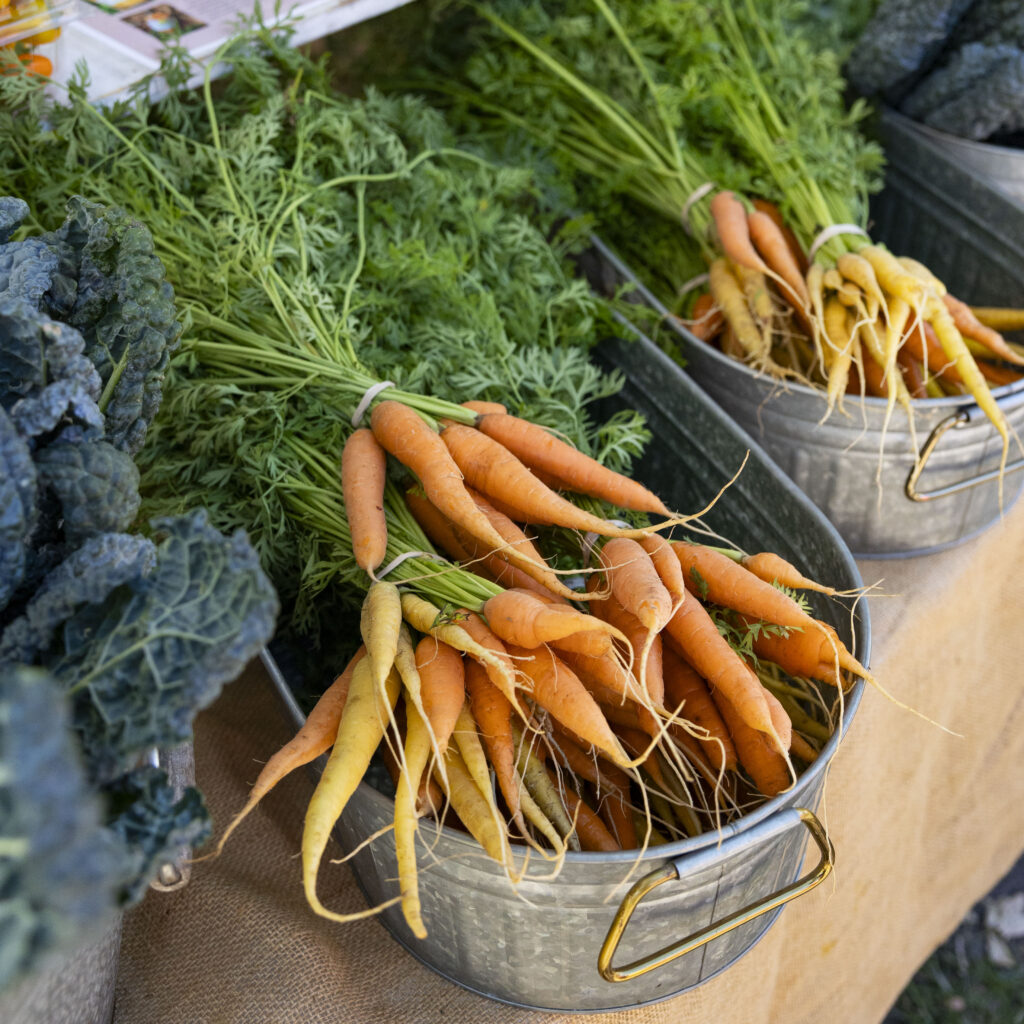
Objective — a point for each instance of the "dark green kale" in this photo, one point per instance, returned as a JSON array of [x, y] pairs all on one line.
[[111, 286], [995, 103], [964, 72], [159, 649], [17, 506], [12, 212], [900, 44], [87, 576], [61, 870], [154, 822], [96, 484]]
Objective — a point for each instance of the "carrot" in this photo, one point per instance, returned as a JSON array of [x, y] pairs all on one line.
[[799, 747], [440, 530], [912, 375], [635, 582], [589, 642], [706, 318], [1000, 319], [490, 468], [543, 794], [362, 725], [604, 671], [793, 244], [772, 568], [837, 349], [443, 687], [730, 217], [771, 244], [543, 453], [921, 343], [565, 746], [557, 689], [617, 815], [710, 654], [666, 565], [418, 744], [760, 759], [800, 653], [644, 644], [592, 831], [483, 408], [316, 735], [731, 585], [998, 375], [524, 619], [687, 693], [427, 618], [407, 437], [780, 718], [493, 714], [379, 622], [971, 327], [363, 464], [729, 297], [874, 375], [472, 807]]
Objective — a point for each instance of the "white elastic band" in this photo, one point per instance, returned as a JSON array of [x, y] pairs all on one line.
[[830, 232], [395, 562], [371, 394], [694, 197], [694, 282]]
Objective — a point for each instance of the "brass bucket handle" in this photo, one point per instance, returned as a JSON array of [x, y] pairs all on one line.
[[955, 420], [669, 872]]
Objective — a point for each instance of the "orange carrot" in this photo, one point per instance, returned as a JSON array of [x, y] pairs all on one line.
[[440, 530], [730, 219], [363, 464], [498, 665], [635, 582], [759, 757], [604, 671], [617, 815], [771, 245], [666, 565], [874, 376], [684, 688], [997, 375], [316, 736], [780, 718], [710, 654], [645, 646], [791, 240], [772, 568], [912, 376], [483, 408], [706, 319], [589, 642], [493, 714], [799, 747], [971, 327], [546, 455], [591, 830], [522, 618], [443, 687], [403, 433], [557, 689], [729, 584]]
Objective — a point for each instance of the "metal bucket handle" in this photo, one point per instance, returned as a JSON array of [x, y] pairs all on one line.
[[956, 421], [673, 870]]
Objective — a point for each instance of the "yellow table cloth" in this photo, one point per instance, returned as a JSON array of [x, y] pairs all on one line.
[[924, 823]]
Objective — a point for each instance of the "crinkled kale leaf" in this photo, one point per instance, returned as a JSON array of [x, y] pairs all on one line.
[[97, 486], [17, 506], [61, 870], [154, 822], [111, 286], [87, 576], [158, 650]]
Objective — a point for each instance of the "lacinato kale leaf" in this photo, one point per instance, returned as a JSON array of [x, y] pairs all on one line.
[[17, 507], [97, 486], [88, 576], [994, 104], [61, 870], [111, 286], [158, 650], [154, 822], [12, 212]]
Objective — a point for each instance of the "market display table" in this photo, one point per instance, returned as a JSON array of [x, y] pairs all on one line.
[[924, 824]]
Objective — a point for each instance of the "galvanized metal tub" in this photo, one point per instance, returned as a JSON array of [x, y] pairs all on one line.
[[568, 943], [1002, 166]]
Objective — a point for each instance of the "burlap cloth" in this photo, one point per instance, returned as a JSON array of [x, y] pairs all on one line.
[[923, 823]]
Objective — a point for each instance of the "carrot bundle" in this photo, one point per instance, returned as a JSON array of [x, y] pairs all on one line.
[[608, 715]]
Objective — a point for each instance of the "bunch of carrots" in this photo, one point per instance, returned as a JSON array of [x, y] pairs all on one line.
[[865, 323], [613, 716]]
